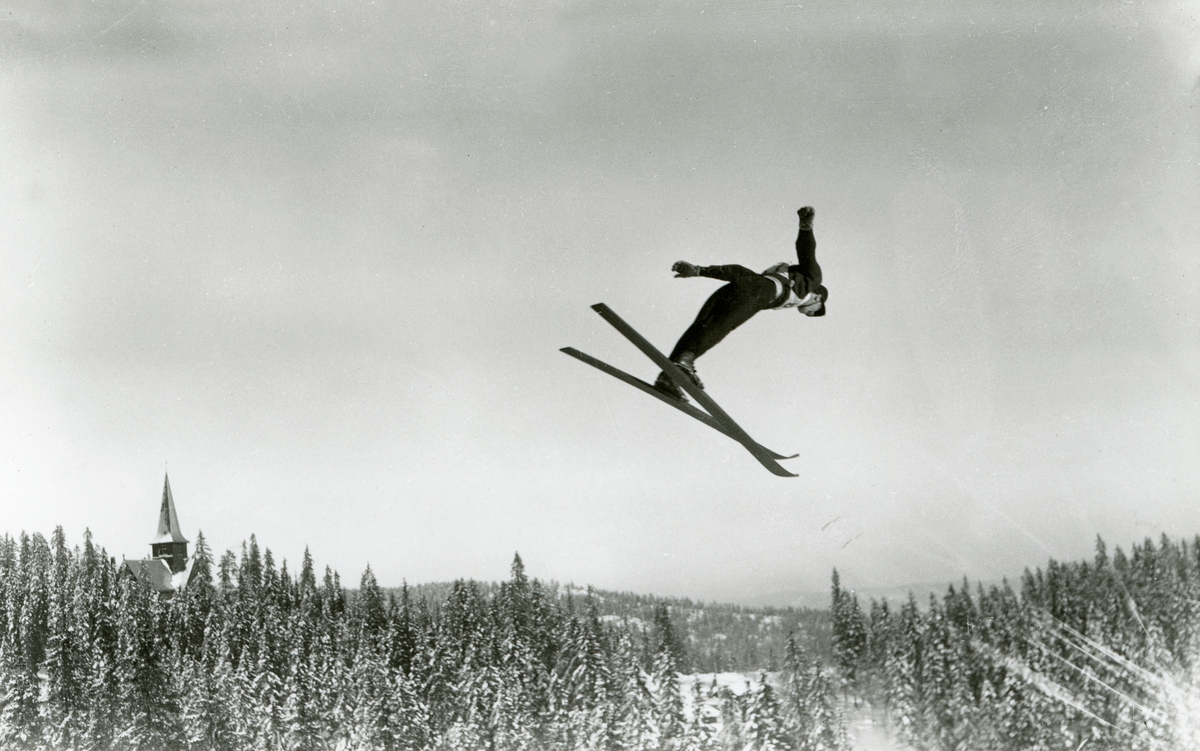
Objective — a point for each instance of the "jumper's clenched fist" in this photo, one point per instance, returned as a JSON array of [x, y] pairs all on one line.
[[685, 269]]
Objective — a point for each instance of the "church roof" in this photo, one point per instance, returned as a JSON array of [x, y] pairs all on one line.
[[168, 522], [156, 573]]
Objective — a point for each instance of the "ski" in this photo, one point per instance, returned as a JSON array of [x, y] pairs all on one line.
[[683, 407], [702, 399], [715, 414]]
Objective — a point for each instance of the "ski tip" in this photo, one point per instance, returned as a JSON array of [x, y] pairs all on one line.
[[779, 471]]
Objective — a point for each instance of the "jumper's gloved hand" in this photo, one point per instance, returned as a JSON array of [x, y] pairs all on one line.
[[685, 269], [806, 217]]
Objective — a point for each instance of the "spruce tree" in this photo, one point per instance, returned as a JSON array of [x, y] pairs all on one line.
[[369, 609], [664, 635], [668, 702], [206, 714], [763, 729], [148, 709], [23, 647], [65, 663], [903, 669], [848, 629], [402, 633], [20, 725]]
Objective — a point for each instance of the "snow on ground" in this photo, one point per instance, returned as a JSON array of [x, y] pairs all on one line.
[[868, 735], [631, 621], [738, 683]]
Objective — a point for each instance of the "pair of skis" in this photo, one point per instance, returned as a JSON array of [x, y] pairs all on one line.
[[715, 417]]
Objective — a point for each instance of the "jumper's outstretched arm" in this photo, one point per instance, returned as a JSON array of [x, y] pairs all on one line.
[[726, 273]]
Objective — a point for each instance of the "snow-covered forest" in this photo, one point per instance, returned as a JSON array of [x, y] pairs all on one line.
[[1090, 655], [252, 656], [719, 637], [1093, 654]]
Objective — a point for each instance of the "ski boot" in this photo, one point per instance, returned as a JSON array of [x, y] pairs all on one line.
[[664, 385], [687, 363]]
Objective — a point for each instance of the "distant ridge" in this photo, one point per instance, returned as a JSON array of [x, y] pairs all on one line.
[[894, 595], [812, 600], [720, 637]]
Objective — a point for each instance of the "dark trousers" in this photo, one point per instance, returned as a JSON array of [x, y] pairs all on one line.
[[729, 307]]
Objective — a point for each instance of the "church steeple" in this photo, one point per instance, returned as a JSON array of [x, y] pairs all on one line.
[[169, 544]]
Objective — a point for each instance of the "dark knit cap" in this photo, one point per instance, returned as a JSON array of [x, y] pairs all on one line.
[[824, 293]]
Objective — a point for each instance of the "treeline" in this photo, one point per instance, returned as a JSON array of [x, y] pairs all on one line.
[[1093, 654], [726, 638], [715, 637], [252, 656]]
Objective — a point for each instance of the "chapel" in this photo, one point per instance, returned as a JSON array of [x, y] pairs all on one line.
[[168, 568]]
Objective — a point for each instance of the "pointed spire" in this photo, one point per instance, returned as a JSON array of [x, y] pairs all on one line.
[[168, 522]]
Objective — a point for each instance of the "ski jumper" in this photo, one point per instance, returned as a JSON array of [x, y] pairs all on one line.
[[748, 292]]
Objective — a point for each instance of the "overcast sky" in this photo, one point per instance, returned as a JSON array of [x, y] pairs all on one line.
[[317, 261]]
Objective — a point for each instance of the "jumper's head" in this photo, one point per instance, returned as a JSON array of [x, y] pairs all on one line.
[[816, 308]]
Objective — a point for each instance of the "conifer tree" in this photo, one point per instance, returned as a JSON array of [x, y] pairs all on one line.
[[582, 672], [668, 703], [64, 666], [849, 630], [516, 601], [700, 733], [764, 728], [198, 598], [147, 708], [97, 614], [35, 604], [23, 647], [369, 607], [365, 701], [408, 727], [664, 635], [227, 577], [809, 713], [308, 579], [632, 723], [402, 631], [20, 725], [250, 572], [333, 598], [207, 717], [299, 715], [201, 582], [902, 670], [266, 696]]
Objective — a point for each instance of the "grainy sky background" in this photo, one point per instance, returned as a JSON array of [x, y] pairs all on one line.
[[318, 260]]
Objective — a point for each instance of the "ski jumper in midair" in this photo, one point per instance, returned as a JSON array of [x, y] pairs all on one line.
[[747, 292], [744, 294]]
